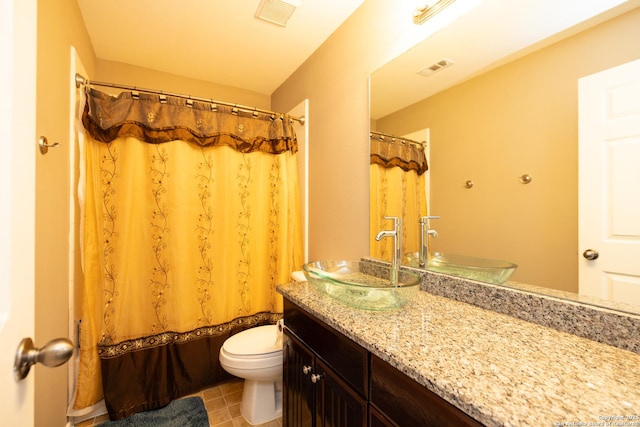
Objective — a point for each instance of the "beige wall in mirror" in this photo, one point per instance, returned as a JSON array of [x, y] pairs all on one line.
[[519, 118]]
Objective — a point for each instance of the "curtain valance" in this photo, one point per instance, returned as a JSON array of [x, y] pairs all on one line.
[[388, 154], [158, 119]]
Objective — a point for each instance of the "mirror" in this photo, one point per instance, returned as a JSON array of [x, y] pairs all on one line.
[[497, 121]]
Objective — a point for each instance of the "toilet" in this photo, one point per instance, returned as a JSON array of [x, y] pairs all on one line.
[[256, 355]]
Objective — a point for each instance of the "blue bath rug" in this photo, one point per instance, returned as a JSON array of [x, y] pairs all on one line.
[[188, 412]]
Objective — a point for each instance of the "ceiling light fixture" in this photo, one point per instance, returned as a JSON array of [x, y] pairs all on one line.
[[276, 11], [429, 9]]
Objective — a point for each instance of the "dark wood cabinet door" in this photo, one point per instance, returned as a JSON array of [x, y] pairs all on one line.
[[337, 404], [410, 404], [377, 419], [343, 355], [297, 390]]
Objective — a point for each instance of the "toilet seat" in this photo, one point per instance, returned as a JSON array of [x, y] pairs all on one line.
[[260, 340], [255, 348]]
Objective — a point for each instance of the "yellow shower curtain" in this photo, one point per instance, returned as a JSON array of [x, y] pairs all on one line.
[[191, 219], [397, 188]]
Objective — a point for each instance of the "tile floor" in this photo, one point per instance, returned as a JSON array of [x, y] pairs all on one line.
[[223, 406]]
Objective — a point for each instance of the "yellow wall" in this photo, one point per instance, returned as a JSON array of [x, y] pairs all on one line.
[[519, 118], [130, 75], [60, 26], [335, 80]]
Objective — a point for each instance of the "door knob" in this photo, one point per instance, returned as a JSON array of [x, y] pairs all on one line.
[[54, 353], [315, 378], [590, 254]]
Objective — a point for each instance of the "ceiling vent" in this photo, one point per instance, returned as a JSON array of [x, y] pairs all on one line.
[[276, 11], [443, 63]]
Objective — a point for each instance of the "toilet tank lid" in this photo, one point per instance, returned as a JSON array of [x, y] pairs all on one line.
[[254, 341]]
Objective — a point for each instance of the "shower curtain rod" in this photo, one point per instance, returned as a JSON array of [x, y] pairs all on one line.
[[82, 81], [382, 137]]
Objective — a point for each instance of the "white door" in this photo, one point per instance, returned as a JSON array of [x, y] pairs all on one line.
[[609, 180], [17, 201]]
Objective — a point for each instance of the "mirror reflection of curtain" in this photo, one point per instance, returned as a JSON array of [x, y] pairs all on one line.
[[397, 188], [191, 219]]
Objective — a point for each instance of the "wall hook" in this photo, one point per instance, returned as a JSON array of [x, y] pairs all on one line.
[[525, 179], [468, 184], [44, 145]]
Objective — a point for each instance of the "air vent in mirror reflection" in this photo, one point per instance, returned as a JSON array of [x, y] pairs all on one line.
[[443, 63]]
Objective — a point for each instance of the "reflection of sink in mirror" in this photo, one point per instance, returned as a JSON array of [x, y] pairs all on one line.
[[344, 281], [480, 269]]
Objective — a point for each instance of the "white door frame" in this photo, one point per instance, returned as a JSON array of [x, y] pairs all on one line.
[[302, 133]]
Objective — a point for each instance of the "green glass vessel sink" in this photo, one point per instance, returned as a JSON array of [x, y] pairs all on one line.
[[344, 281], [480, 269]]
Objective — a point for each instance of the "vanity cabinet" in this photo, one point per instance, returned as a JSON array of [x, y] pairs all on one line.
[[298, 390], [329, 380], [324, 375], [401, 401], [314, 394]]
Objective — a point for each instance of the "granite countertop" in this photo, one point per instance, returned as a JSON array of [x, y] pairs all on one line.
[[500, 370]]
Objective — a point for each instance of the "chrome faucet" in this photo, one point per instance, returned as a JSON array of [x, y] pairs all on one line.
[[396, 233], [424, 238]]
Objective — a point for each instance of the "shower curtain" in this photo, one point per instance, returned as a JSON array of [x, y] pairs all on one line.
[[191, 219], [397, 188]]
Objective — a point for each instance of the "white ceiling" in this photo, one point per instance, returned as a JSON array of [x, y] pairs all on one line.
[[217, 41], [221, 41]]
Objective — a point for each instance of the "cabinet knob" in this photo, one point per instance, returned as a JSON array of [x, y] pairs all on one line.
[[306, 369], [316, 377]]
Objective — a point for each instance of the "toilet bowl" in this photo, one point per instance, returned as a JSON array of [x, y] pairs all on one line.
[[256, 355]]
